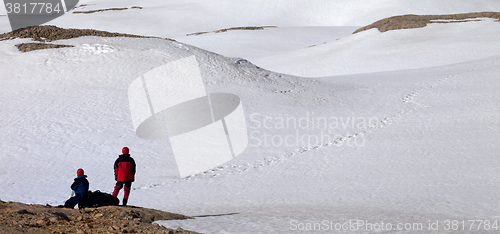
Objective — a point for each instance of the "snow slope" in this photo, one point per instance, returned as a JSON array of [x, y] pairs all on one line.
[[170, 18], [432, 156], [257, 44], [404, 143], [373, 51], [299, 22]]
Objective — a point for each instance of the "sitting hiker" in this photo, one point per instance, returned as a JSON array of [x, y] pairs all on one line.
[[81, 189]]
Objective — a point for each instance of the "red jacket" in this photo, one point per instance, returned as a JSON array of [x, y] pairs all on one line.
[[125, 168]]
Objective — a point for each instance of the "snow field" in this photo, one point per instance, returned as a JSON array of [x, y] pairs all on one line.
[[429, 154]]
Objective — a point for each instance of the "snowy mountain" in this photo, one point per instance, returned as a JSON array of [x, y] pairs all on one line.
[[399, 127]]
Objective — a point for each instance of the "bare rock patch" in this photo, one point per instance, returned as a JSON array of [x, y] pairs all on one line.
[[420, 21]]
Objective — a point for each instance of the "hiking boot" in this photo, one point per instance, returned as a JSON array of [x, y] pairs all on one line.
[[125, 201]]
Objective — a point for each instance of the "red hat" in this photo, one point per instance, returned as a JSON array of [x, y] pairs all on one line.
[[125, 150], [79, 172]]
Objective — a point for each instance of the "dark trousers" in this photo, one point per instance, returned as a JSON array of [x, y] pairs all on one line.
[[119, 186], [72, 201]]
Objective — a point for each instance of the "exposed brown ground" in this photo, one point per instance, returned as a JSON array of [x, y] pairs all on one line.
[[21, 218], [52, 33], [83, 5], [234, 28], [27, 47], [100, 10], [420, 21]]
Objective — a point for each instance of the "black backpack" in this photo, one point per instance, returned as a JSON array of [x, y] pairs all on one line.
[[98, 198]]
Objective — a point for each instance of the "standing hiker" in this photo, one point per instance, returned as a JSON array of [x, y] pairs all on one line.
[[81, 189], [124, 174]]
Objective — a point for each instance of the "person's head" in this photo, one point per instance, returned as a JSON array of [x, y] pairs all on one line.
[[80, 172], [125, 150]]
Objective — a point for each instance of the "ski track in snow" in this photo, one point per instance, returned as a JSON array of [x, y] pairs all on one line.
[[270, 161]]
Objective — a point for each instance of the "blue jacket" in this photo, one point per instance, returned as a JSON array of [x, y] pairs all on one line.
[[81, 186]]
